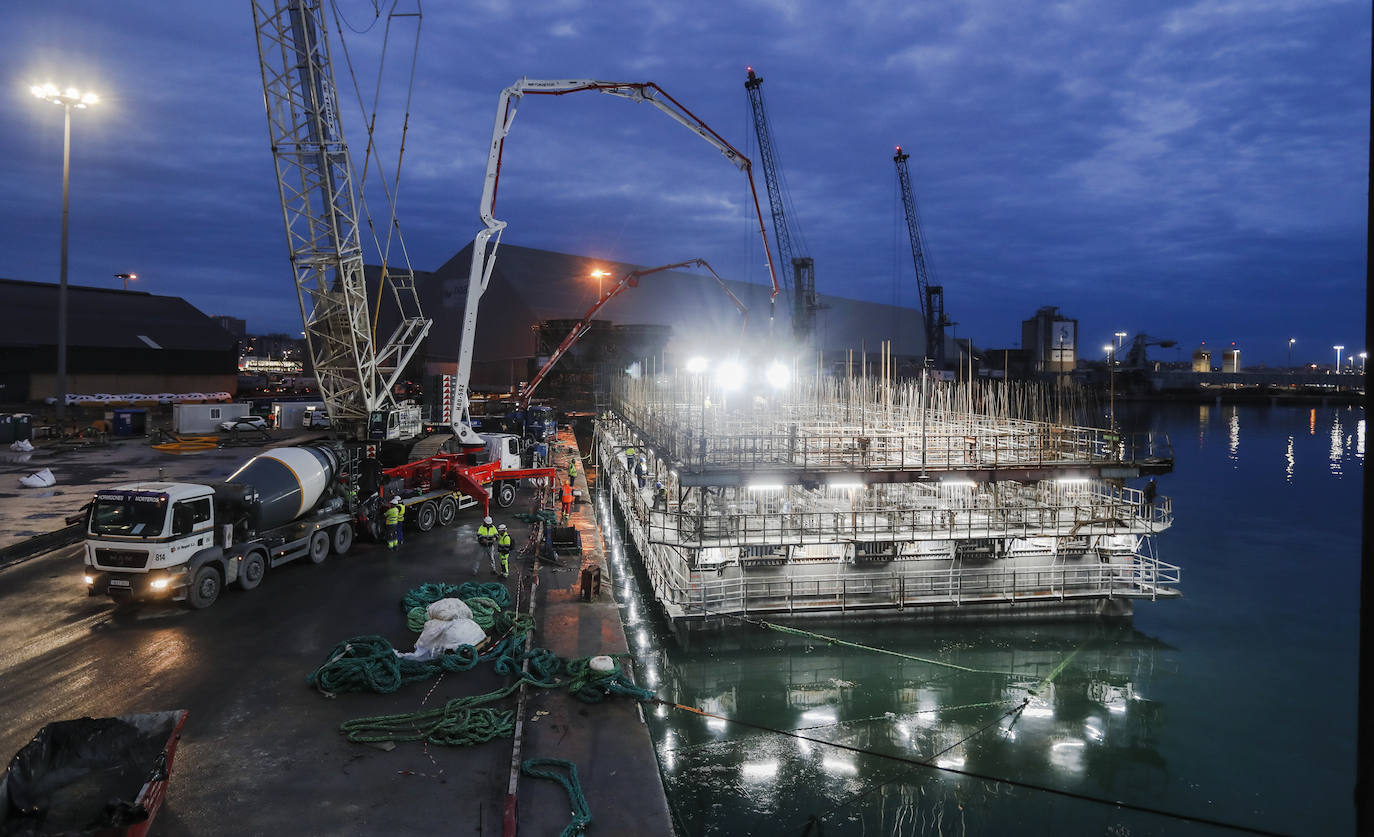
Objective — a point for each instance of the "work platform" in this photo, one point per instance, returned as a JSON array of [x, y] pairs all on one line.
[[839, 498]]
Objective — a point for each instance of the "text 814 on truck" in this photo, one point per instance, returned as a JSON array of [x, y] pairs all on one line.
[[184, 542]]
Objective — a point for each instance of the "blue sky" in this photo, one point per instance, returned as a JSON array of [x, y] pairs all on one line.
[[1196, 170]]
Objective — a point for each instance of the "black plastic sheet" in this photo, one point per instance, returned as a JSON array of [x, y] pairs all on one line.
[[81, 776]]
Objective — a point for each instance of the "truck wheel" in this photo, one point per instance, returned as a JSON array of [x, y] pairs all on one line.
[[319, 546], [424, 521], [343, 538], [448, 509], [504, 494], [204, 589], [252, 567]]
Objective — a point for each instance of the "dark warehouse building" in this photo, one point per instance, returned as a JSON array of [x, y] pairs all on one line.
[[117, 342]]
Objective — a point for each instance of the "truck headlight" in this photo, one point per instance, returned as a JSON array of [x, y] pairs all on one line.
[[159, 583], [90, 579]]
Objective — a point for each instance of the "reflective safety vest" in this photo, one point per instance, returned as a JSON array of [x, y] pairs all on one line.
[[567, 493], [503, 542], [394, 515], [572, 471], [485, 531]]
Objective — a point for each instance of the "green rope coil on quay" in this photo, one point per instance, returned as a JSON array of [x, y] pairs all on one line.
[[581, 812], [460, 722], [370, 664], [484, 613], [430, 592], [542, 516], [591, 686]]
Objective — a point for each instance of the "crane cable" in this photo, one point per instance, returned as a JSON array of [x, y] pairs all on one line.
[[390, 190]]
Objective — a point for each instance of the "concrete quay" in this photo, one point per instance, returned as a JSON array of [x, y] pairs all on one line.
[[261, 751]]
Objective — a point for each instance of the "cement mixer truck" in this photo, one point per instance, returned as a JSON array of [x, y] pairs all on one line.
[[185, 542]]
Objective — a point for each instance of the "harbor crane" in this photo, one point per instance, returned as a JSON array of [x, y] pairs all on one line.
[[319, 201], [801, 285], [629, 280], [1135, 355], [485, 244], [932, 297]]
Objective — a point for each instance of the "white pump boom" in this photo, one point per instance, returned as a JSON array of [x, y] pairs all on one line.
[[489, 237]]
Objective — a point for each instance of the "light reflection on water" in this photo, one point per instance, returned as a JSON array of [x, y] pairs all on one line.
[[1337, 449], [1158, 716], [1233, 425]]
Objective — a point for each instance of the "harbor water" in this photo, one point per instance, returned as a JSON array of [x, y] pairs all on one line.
[[1234, 705]]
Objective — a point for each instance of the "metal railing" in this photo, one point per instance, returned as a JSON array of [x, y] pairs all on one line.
[[1140, 578]]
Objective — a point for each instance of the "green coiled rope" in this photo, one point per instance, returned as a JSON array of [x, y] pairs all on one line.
[[581, 813], [484, 611], [430, 592], [370, 664], [591, 686], [460, 722]]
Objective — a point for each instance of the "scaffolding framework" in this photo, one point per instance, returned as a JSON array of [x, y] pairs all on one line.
[[898, 435], [847, 495]]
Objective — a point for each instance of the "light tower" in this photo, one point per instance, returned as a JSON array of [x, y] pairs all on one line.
[[68, 99]]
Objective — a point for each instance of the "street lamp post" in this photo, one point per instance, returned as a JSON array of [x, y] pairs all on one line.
[[1363, 357], [1111, 382], [126, 277], [1291, 341], [1338, 358], [68, 99], [599, 274]]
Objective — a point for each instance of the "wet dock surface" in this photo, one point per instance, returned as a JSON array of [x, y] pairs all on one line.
[[262, 753]]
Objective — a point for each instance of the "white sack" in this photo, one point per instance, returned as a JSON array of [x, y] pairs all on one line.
[[23, 446], [440, 635], [39, 479], [449, 609]]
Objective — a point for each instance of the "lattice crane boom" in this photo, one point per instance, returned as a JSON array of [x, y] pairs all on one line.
[[320, 208], [801, 282], [932, 297]]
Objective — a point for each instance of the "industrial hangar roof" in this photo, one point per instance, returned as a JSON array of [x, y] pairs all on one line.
[[106, 318], [529, 286]]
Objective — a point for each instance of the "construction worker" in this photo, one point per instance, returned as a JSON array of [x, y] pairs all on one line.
[[629, 458], [503, 547], [572, 470], [641, 471], [660, 496], [395, 520], [567, 500], [486, 538]]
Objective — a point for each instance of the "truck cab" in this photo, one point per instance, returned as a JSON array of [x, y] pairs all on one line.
[[503, 448], [140, 536], [402, 422]]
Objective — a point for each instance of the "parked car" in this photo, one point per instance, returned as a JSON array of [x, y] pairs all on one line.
[[244, 423]]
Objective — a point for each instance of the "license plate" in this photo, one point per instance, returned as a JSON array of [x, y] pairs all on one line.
[[119, 582]]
